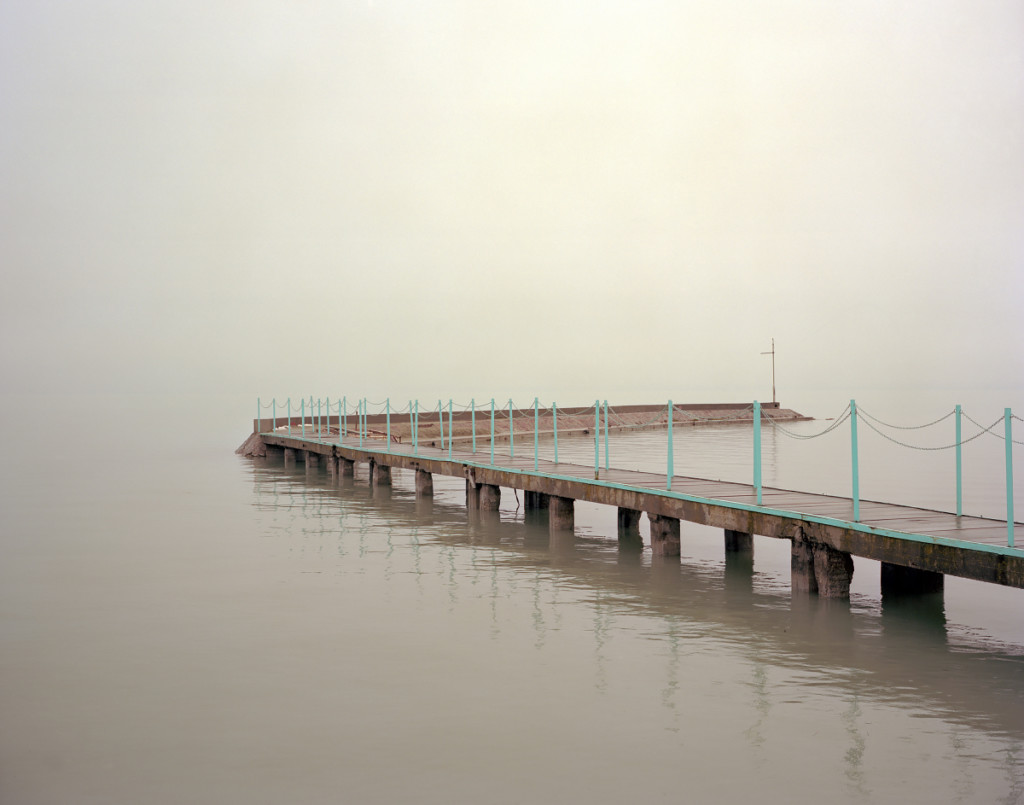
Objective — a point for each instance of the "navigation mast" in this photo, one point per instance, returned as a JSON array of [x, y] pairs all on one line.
[[772, 353]]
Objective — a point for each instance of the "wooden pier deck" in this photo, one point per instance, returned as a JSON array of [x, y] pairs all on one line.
[[920, 540]]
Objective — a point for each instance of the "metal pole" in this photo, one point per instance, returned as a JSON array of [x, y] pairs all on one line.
[[492, 430], [273, 421], [472, 420], [387, 409], [450, 429], [414, 415], [959, 468], [511, 431], [303, 415], [360, 406], [258, 420], [289, 416], [757, 450], [597, 439], [319, 417], [536, 424], [671, 470], [1008, 427], [440, 418], [344, 416], [606, 434], [853, 453], [554, 422]]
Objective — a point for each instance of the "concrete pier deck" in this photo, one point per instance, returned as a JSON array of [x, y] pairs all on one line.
[[925, 544]]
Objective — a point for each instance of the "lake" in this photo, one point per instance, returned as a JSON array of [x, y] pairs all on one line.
[[180, 624]]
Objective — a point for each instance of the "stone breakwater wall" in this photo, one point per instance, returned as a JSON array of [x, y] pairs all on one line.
[[573, 421]]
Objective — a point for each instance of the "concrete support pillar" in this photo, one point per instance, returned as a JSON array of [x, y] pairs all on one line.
[[332, 466], [834, 571], [906, 581], [739, 542], [490, 497], [380, 474], [629, 524], [664, 535], [289, 455], [561, 513], [535, 500], [472, 495], [312, 462], [347, 467], [424, 484], [801, 568]]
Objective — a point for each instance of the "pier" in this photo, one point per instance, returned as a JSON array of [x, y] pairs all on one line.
[[917, 547]]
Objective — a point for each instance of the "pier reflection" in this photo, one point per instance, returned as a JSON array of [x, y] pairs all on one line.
[[900, 654]]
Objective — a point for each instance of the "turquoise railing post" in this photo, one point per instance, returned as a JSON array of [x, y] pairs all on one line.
[[414, 415], [361, 405], [341, 416], [344, 417], [311, 417], [258, 415], [959, 468], [319, 417], [492, 430], [440, 418], [472, 420], [757, 450], [606, 435], [273, 415], [1008, 427], [511, 431], [536, 426], [671, 469], [302, 414], [554, 424], [289, 416], [854, 468], [387, 409], [597, 439], [451, 430]]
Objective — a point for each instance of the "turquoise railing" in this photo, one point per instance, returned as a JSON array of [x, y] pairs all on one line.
[[321, 419]]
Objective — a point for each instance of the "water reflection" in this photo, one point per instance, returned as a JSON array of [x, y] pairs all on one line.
[[792, 647]]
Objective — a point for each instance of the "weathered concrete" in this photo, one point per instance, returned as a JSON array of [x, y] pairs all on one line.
[[898, 580], [490, 497], [311, 459], [738, 542], [472, 495], [380, 474], [802, 579], [289, 455], [834, 571], [561, 513], [424, 484], [664, 535], [628, 524], [347, 466], [535, 500], [935, 556]]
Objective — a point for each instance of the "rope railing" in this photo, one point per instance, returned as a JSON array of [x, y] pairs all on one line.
[[950, 446], [338, 417], [877, 421], [845, 415]]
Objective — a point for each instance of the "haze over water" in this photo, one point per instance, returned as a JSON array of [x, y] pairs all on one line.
[[181, 624]]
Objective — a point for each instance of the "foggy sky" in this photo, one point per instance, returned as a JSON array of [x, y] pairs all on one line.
[[570, 200]]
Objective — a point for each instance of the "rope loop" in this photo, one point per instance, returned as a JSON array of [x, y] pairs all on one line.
[[904, 427]]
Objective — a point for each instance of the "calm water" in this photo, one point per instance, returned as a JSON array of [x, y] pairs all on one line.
[[182, 625]]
